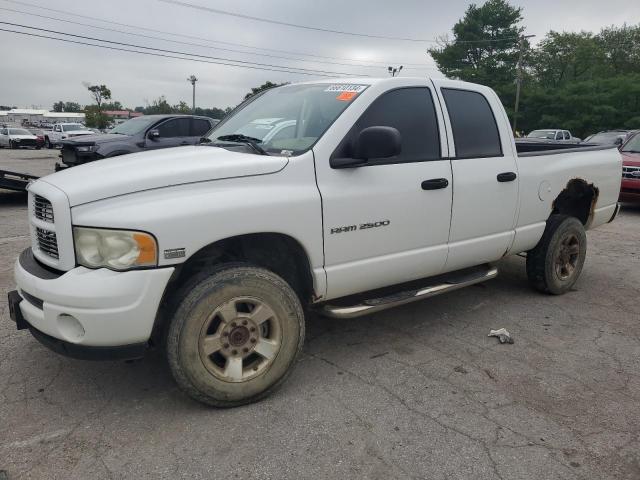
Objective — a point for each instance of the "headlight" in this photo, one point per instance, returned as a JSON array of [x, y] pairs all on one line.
[[86, 148], [115, 249]]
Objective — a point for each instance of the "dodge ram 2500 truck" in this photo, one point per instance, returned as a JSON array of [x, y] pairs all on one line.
[[378, 193]]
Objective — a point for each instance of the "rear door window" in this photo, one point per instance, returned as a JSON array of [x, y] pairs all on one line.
[[199, 127], [475, 131]]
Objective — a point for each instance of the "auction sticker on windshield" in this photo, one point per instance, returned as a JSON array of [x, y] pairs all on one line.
[[346, 87]]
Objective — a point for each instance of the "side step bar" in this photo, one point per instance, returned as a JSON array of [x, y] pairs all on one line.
[[446, 283]]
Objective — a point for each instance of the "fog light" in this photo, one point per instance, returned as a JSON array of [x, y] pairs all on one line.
[[70, 328]]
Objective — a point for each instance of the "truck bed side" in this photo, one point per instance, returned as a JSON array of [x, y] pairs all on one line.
[[579, 171]]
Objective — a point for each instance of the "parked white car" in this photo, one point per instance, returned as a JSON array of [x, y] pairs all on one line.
[[386, 191], [62, 131], [11, 137]]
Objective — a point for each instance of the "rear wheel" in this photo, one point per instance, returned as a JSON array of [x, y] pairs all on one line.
[[235, 335], [555, 264]]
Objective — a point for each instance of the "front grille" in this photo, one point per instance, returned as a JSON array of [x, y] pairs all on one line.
[[47, 242], [42, 209], [632, 173], [25, 142]]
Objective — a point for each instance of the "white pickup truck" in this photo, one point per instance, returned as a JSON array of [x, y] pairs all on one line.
[[383, 192], [63, 131]]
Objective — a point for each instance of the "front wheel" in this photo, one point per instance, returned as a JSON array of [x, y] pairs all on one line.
[[235, 335], [555, 263]]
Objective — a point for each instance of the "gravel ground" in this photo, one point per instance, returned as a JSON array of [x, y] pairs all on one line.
[[415, 392]]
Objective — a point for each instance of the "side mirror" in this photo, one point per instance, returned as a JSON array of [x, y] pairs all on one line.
[[619, 142], [371, 143], [153, 134]]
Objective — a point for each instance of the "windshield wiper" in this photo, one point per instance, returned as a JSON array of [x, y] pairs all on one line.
[[239, 138]]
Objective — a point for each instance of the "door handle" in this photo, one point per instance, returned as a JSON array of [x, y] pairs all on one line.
[[435, 184], [507, 177]]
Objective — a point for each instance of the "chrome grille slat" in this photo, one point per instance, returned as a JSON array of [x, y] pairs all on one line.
[[42, 209], [632, 173], [47, 242]]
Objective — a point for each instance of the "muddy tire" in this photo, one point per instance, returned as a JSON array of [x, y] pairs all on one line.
[[235, 335], [555, 264]]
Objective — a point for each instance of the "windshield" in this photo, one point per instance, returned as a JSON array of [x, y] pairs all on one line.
[[70, 127], [18, 131], [632, 145], [550, 134], [288, 120], [605, 138], [134, 126]]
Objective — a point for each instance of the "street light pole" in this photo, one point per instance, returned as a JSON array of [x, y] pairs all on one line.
[[192, 79], [523, 38]]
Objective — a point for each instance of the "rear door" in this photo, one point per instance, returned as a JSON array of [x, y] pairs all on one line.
[[381, 227], [485, 175]]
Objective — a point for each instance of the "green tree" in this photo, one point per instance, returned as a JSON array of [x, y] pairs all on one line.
[[72, 107], [159, 106], [115, 105], [182, 107], [265, 86], [211, 112], [484, 48], [93, 114], [99, 93], [94, 118], [58, 106]]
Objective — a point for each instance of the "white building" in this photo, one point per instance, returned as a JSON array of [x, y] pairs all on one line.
[[19, 115]]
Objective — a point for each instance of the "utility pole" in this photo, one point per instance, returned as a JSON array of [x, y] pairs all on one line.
[[192, 79], [523, 40], [393, 71]]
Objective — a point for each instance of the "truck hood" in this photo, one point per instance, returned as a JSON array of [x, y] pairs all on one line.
[[136, 172]]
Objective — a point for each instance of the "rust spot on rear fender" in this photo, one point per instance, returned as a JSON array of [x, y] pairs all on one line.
[[578, 199]]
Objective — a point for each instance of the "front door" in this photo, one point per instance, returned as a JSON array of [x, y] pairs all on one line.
[[173, 133], [381, 225], [485, 176]]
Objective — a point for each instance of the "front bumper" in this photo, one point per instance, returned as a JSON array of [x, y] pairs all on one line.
[[90, 308]]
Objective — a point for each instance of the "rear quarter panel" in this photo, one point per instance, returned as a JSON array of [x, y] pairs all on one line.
[[544, 176]]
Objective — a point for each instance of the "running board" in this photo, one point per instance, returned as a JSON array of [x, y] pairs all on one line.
[[443, 284]]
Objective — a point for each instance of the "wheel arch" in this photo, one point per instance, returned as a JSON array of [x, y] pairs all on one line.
[[578, 199], [278, 252]]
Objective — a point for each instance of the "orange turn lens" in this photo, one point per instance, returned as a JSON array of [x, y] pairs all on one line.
[[147, 246]]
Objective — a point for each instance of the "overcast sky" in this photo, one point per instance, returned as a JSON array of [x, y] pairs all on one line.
[[37, 72]]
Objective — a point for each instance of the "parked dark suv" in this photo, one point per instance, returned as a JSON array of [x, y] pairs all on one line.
[[148, 132]]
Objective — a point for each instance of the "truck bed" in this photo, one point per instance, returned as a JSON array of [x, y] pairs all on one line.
[[527, 148]]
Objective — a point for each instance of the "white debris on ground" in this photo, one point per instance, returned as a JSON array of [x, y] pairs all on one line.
[[503, 335]]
